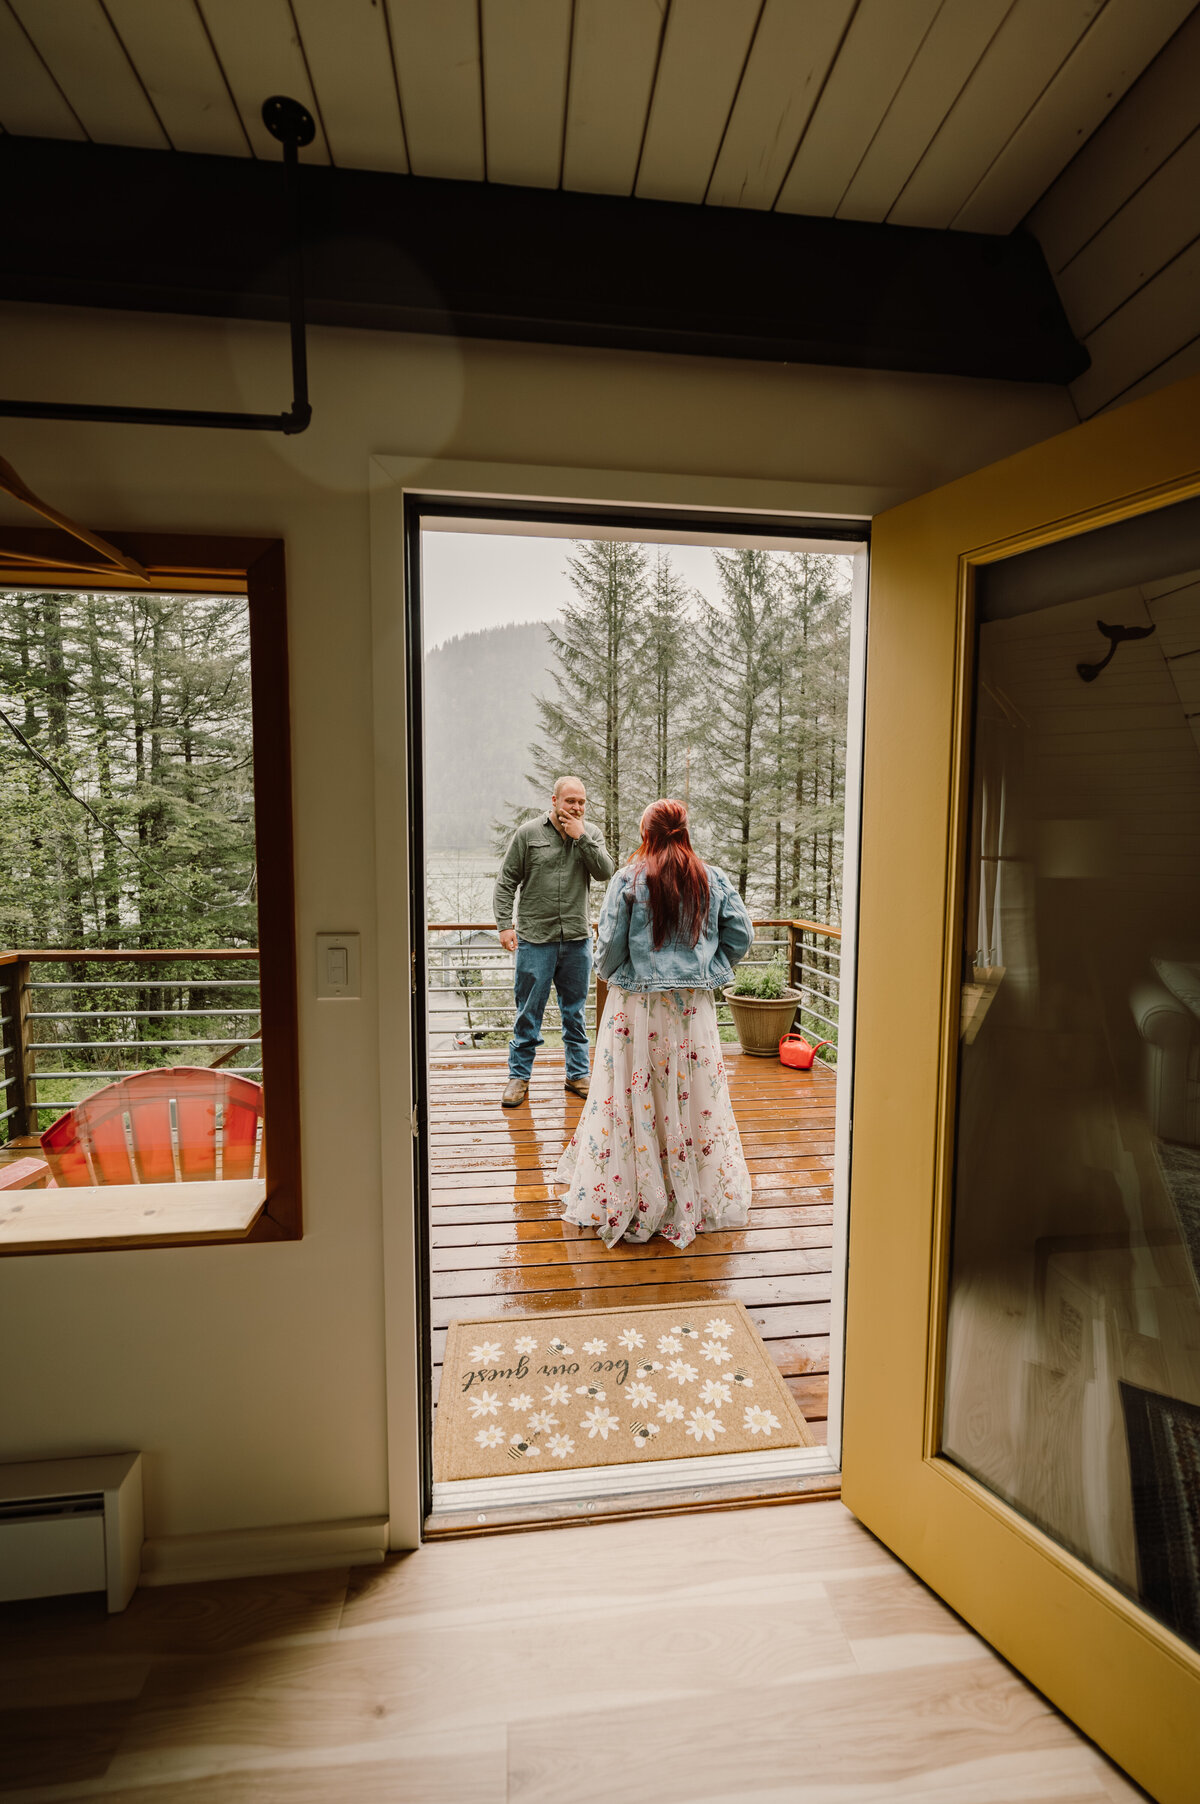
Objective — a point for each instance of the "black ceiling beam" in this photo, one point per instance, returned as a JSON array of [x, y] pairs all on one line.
[[160, 231]]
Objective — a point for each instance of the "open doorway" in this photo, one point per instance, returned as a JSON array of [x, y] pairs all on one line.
[[713, 660]]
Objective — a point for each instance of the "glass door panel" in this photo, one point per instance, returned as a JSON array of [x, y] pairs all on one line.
[[1022, 1405], [1072, 1383]]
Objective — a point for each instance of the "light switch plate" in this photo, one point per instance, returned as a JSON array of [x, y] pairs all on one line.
[[338, 966]]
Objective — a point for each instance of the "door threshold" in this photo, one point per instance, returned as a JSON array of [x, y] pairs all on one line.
[[613, 1493]]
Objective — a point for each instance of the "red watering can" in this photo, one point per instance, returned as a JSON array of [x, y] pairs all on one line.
[[795, 1050]]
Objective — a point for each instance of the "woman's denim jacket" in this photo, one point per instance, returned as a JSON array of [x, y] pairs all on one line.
[[627, 957]]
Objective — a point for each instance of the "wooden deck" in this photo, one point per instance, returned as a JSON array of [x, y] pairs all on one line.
[[499, 1245]]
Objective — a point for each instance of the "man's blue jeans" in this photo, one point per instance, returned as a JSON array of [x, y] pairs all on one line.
[[567, 966]]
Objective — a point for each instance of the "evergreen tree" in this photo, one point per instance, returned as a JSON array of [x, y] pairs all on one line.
[[665, 666], [810, 751], [588, 724], [126, 790], [737, 657]]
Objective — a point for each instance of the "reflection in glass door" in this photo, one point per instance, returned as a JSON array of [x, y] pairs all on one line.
[[1072, 1385]]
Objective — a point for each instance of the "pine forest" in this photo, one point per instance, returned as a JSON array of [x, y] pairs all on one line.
[[736, 704], [127, 792], [126, 824]]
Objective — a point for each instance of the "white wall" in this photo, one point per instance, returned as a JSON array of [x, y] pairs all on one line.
[[252, 1378]]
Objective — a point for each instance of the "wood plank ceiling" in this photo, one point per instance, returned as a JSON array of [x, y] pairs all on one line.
[[944, 113]]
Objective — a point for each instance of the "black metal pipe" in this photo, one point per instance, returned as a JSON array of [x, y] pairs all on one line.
[[151, 416], [301, 411], [293, 126]]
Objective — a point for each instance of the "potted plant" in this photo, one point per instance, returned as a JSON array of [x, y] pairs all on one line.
[[763, 1008]]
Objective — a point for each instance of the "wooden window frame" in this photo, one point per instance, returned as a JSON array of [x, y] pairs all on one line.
[[181, 563]]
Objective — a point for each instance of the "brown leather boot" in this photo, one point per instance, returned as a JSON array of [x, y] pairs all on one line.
[[578, 1086], [515, 1092]]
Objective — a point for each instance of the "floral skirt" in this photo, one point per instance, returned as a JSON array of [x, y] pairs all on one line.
[[657, 1148]]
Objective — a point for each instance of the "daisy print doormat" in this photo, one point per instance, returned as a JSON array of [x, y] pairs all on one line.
[[607, 1387]]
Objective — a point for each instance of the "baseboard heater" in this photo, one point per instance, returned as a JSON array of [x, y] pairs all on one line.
[[70, 1525]]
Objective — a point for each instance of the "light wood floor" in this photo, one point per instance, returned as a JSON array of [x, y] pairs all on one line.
[[768, 1656], [499, 1245]]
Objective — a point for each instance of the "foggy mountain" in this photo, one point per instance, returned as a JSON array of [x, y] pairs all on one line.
[[480, 719]]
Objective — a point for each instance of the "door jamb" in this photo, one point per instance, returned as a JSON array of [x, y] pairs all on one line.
[[393, 481]]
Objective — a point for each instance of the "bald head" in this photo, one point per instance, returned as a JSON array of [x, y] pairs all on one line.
[[568, 800]]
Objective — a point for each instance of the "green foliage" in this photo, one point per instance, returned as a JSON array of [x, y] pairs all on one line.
[[766, 983], [126, 784], [589, 725], [127, 821], [737, 704], [667, 667], [738, 640]]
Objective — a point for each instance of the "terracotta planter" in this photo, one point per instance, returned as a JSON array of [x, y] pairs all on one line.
[[760, 1023]]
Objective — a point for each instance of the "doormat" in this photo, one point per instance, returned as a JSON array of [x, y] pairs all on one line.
[[601, 1387]]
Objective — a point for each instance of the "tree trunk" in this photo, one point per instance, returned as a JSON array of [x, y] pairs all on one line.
[[110, 878], [57, 690]]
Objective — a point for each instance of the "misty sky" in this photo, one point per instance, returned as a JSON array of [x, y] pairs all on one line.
[[473, 580]]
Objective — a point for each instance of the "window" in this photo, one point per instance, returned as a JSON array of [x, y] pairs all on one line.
[[147, 950]]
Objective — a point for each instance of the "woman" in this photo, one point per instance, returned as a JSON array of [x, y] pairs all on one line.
[[657, 1149]]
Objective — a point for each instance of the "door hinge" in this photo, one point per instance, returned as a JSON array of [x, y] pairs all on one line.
[[415, 1122]]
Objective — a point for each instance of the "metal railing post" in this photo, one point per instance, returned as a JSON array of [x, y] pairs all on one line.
[[770, 949], [23, 1088]]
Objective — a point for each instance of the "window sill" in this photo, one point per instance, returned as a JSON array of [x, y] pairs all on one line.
[[87, 1218]]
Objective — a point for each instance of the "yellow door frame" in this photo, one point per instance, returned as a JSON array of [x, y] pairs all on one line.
[[1124, 1679]]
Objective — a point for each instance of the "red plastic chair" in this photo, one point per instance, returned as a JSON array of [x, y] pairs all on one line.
[[173, 1126]]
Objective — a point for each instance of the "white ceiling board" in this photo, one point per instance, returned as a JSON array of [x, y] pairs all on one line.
[[1023, 57], [30, 103], [614, 54], [169, 48], [84, 54], [703, 53], [936, 77], [349, 61], [436, 44], [883, 39], [793, 49], [1156, 322], [1151, 121], [1183, 584], [1186, 362], [259, 50], [1107, 60], [526, 55], [1153, 226]]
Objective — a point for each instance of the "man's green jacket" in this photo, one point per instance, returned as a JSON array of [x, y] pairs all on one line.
[[552, 874]]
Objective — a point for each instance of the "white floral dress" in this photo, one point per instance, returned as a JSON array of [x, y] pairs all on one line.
[[657, 1148]]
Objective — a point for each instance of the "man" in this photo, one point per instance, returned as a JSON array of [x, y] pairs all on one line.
[[551, 860]]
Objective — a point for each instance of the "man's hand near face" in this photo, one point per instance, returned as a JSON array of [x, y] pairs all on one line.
[[567, 805]]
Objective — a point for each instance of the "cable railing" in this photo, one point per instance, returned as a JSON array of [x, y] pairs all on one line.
[[204, 1011], [471, 1008]]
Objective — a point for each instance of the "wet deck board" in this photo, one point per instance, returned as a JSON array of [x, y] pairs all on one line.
[[499, 1246]]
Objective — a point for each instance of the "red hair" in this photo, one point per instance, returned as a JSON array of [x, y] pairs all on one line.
[[676, 879]]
